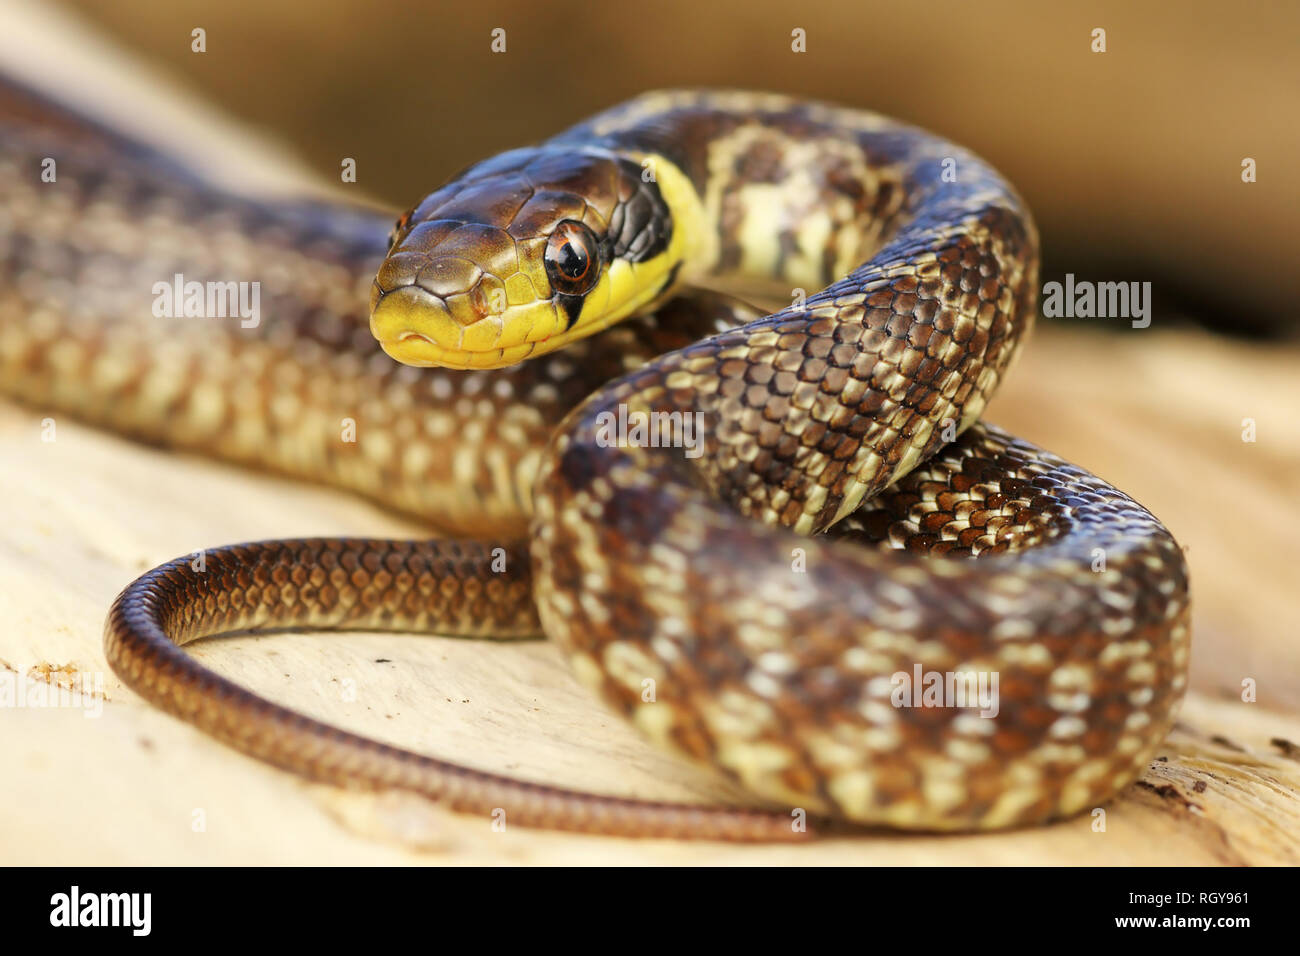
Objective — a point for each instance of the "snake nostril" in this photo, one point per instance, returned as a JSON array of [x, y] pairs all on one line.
[[398, 226], [479, 302]]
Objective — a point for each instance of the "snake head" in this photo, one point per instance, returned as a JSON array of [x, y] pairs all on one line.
[[522, 254]]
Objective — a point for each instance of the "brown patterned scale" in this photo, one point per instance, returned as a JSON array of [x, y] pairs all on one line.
[[786, 588]]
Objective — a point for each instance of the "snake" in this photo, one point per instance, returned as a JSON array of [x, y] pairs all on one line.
[[692, 389]]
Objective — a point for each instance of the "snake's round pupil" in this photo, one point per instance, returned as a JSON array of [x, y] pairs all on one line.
[[569, 256], [571, 260]]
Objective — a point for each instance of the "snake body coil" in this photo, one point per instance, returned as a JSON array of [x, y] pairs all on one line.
[[837, 518]]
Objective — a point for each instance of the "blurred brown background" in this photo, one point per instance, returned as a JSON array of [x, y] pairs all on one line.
[[1131, 159]]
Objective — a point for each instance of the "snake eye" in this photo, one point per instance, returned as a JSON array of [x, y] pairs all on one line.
[[571, 258]]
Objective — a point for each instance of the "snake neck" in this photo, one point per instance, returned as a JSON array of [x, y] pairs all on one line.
[[790, 196], [907, 266]]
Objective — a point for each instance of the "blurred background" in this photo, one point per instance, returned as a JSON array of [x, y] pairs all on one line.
[[1130, 159]]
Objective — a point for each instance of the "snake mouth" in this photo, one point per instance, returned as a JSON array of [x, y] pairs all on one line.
[[417, 327]]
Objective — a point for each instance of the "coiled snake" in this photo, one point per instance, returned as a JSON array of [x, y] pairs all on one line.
[[748, 538]]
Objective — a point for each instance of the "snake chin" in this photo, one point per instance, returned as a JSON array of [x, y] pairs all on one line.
[[417, 349], [418, 328]]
